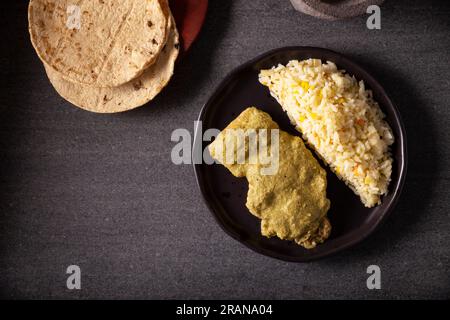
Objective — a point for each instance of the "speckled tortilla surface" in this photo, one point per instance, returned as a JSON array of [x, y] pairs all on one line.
[[105, 43]]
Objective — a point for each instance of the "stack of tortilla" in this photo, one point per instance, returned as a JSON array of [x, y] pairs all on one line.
[[105, 55]]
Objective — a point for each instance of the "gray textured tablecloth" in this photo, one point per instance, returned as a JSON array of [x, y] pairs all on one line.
[[100, 191]]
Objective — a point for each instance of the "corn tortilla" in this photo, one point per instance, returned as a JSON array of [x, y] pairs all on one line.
[[128, 96], [115, 42]]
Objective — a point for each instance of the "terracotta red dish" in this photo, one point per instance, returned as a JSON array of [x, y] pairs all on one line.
[[189, 16]]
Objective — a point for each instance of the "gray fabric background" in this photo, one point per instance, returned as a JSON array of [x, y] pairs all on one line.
[[101, 192]]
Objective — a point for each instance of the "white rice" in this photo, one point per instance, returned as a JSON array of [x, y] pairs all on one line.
[[338, 117]]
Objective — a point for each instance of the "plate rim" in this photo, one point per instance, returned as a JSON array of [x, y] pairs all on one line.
[[352, 241]]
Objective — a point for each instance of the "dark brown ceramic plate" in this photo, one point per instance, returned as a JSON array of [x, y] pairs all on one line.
[[226, 195]]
